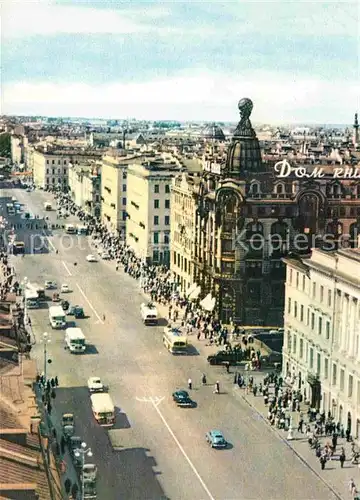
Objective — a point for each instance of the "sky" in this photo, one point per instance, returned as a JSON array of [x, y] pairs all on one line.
[[299, 61]]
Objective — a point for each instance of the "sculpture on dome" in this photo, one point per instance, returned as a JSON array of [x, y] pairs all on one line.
[[244, 128]]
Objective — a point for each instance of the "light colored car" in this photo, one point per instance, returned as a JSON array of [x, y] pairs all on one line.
[[49, 285], [91, 258], [64, 288], [95, 384], [216, 439], [105, 255]]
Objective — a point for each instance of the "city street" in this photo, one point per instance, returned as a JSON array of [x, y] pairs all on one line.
[[155, 450]]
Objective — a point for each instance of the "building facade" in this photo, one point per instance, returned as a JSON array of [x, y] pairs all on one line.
[[321, 352], [182, 232], [148, 210], [249, 216], [85, 187]]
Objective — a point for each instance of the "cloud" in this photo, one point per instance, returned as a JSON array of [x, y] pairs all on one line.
[[197, 97]]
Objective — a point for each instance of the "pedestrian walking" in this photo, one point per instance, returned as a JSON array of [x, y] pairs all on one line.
[[203, 379], [227, 366], [217, 388], [190, 384], [322, 461], [235, 378], [342, 457], [104, 317], [352, 487]]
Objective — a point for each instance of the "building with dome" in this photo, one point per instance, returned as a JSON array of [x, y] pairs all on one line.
[[213, 132], [247, 218]]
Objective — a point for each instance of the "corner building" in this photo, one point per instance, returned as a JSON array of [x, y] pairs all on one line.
[[321, 352], [247, 219]]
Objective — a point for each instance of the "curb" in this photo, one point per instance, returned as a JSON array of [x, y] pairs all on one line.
[[288, 444]]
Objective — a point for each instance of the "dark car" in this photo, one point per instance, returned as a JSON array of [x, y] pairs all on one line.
[[232, 356], [65, 305], [182, 398]]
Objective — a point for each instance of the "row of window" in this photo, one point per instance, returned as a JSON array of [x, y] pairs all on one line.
[[53, 181], [166, 220], [58, 171], [181, 262], [157, 237], [320, 365], [59, 162], [157, 188], [318, 292], [157, 203], [322, 325]]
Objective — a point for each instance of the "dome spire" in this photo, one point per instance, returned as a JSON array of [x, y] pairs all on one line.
[[244, 128]]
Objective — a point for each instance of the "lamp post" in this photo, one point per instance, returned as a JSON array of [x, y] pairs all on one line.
[[24, 283], [83, 452], [46, 340]]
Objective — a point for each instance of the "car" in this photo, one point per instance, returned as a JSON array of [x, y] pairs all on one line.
[[231, 356], [216, 439], [49, 285], [91, 258], [182, 399], [95, 384], [64, 288], [76, 311], [105, 256], [65, 305]]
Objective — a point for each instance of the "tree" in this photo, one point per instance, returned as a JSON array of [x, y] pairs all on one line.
[[5, 144]]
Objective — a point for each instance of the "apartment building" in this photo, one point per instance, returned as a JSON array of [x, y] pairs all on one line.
[[182, 228], [50, 166], [148, 210], [85, 186], [321, 353]]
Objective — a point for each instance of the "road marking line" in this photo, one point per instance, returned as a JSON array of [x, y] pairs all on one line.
[[66, 268], [89, 303], [50, 242], [155, 405]]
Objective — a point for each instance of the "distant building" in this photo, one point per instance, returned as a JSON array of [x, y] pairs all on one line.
[[182, 235], [321, 353], [148, 210], [50, 166], [114, 188], [85, 187]]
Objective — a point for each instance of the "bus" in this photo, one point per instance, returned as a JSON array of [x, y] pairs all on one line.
[[57, 317], [75, 340], [175, 341], [149, 314], [18, 247], [70, 229], [10, 209], [31, 299], [103, 409]]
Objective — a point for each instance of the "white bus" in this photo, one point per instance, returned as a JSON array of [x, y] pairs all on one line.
[[149, 314], [103, 409], [175, 341], [57, 317], [75, 340], [31, 299], [70, 229]]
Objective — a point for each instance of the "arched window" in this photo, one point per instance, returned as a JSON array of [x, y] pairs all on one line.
[[254, 189], [279, 188], [253, 228]]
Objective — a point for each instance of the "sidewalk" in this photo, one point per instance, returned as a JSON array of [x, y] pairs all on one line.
[[333, 476]]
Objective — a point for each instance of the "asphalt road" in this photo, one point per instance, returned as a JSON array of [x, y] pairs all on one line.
[[156, 450]]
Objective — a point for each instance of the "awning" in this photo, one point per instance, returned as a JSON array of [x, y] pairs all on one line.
[[195, 294], [208, 303], [191, 289]]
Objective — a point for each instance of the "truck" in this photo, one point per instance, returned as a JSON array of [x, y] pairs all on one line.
[[103, 409], [75, 340], [57, 317]]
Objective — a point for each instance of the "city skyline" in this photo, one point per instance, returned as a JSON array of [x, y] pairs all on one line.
[[180, 62]]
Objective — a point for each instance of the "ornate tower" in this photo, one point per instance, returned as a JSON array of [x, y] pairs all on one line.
[[356, 130]]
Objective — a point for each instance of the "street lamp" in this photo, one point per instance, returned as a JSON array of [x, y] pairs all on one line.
[[83, 452], [46, 340], [24, 284]]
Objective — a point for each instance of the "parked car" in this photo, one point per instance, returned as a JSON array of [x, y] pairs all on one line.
[[50, 285], [55, 297], [216, 439], [105, 255], [64, 288], [232, 356], [76, 311], [91, 258], [65, 305]]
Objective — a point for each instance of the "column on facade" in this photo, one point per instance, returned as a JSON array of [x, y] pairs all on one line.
[[346, 322], [340, 314], [352, 326]]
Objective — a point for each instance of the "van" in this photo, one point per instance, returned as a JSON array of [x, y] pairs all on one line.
[[75, 340], [57, 317], [103, 409], [149, 314]]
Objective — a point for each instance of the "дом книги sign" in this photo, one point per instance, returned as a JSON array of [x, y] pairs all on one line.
[[284, 169]]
